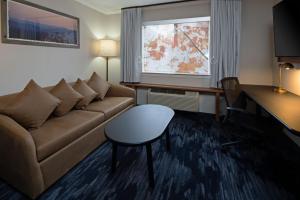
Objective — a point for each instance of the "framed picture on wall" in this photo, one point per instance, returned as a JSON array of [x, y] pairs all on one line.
[[27, 23]]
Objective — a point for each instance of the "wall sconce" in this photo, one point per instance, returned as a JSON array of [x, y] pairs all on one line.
[[108, 48], [286, 66]]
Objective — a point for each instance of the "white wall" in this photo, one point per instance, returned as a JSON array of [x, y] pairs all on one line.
[[47, 65], [290, 78], [199, 8], [113, 30], [256, 63]]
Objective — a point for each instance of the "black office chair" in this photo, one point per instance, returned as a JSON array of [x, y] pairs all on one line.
[[236, 103], [235, 100]]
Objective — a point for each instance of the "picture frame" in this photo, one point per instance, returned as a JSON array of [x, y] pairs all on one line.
[[27, 23]]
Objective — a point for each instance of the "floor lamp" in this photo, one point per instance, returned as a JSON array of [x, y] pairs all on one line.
[[108, 48]]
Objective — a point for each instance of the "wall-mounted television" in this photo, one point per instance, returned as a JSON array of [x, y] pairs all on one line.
[[286, 19]]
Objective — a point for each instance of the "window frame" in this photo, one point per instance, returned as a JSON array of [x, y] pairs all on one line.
[[173, 21]]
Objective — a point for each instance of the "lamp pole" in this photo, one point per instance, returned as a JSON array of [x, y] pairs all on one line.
[[280, 78], [107, 68]]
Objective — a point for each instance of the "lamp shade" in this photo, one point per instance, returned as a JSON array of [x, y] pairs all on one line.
[[108, 48]]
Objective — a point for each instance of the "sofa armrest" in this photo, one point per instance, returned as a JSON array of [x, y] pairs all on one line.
[[19, 165], [121, 91]]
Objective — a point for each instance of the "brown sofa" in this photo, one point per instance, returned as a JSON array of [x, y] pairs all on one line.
[[32, 160]]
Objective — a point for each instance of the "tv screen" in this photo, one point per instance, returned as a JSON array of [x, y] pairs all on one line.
[[286, 19]]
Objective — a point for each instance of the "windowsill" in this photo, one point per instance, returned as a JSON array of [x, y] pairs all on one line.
[[175, 75], [176, 79]]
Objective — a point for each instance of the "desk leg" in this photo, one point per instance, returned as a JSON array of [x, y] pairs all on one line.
[[150, 165], [217, 106], [168, 139], [114, 157], [135, 88]]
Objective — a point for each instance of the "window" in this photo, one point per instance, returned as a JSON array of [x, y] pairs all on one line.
[[177, 46]]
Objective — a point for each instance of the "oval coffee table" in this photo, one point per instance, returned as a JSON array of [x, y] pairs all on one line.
[[139, 126]]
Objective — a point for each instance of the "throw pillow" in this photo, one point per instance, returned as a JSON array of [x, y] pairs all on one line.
[[31, 107], [68, 96], [88, 94], [98, 85]]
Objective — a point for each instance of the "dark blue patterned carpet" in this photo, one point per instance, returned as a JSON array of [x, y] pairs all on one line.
[[196, 168]]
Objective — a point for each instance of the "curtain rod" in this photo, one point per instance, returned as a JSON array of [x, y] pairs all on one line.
[[159, 4]]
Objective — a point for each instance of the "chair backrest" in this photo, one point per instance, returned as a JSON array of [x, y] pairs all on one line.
[[232, 91]]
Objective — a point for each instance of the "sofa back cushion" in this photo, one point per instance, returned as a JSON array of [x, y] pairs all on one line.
[[88, 94], [98, 85], [68, 96], [31, 107]]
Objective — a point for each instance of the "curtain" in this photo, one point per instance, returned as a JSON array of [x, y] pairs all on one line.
[[131, 45], [225, 39]]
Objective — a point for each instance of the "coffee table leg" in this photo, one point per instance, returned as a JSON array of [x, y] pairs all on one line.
[[114, 157], [168, 139], [150, 165]]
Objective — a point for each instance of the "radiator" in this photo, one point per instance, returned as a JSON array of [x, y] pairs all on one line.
[[176, 99]]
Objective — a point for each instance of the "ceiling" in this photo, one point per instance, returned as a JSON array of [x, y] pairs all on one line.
[[114, 6]]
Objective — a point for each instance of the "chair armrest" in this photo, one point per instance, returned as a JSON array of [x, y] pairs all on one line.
[[19, 165], [235, 109], [238, 110], [121, 91]]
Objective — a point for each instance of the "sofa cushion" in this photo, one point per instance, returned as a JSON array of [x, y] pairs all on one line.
[[110, 105], [58, 132], [98, 85], [68, 96], [31, 107], [88, 94]]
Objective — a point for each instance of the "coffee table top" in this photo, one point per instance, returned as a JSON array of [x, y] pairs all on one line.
[[139, 125]]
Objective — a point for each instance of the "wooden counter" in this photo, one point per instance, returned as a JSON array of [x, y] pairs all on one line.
[[202, 90]]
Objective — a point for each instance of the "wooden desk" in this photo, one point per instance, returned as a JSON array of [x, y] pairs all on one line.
[[202, 90], [284, 107]]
